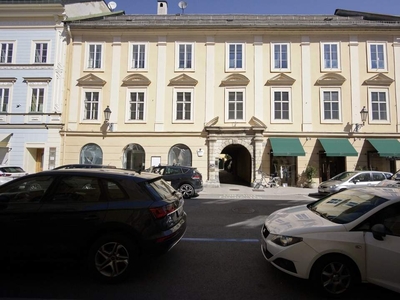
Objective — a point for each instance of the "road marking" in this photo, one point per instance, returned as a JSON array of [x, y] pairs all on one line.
[[220, 240]]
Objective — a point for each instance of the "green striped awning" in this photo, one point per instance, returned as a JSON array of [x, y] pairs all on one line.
[[287, 147], [338, 147], [386, 147]]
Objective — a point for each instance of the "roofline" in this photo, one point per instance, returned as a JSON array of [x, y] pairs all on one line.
[[95, 16], [366, 15]]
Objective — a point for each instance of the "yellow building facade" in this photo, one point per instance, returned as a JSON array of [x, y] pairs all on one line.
[[237, 92]]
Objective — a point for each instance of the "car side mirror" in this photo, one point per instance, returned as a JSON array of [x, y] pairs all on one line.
[[355, 181], [378, 231]]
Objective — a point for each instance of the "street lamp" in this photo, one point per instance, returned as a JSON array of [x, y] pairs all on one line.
[[364, 115], [107, 114]]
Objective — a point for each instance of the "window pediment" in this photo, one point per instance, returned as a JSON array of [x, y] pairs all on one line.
[[183, 80], [379, 80], [136, 80], [37, 79], [235, 80], [331, 79], [8, 79], [91, 80], [281, 79], [254, 121]]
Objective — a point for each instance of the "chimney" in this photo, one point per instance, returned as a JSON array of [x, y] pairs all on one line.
[[162, 8]]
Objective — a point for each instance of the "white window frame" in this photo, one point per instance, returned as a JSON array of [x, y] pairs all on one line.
[[227, 55], [13, 43], [37, 86], [281, 89], [235, 90], [322, 47], [177, 57], [33, 53], [4, 87], [369, 63], [322, 106], [175, 103], [370, 111], [280, 69], [145, 45], [100, 110], [128, 107], [87, 56]]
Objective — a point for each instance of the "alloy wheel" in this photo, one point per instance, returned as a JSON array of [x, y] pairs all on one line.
[[112, 259]]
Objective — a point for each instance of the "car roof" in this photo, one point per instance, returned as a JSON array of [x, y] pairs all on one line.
[[82, 166], [102, 173]]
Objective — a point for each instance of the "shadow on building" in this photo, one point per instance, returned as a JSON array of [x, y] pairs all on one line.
[[230, 178]]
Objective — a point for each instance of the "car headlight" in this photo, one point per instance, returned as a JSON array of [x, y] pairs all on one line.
[[333, 186], [284, 240]]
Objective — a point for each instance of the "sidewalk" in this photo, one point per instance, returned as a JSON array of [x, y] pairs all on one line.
[[233, 191]]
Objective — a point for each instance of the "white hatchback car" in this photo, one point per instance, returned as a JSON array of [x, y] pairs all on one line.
[[8, 173], [344, 238]]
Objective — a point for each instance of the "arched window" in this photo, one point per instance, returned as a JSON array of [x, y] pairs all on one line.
[[91, 154], [180, 154], [134, 157]]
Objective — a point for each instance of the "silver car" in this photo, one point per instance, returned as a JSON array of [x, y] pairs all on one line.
[[351, 179]]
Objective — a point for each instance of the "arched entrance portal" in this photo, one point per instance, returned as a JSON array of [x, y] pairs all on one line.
[[235, 165]]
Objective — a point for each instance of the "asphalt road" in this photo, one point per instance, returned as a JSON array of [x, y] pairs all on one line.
[[219, 258]]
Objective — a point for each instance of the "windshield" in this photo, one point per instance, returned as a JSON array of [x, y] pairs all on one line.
[[346, 206], [162, 188], [343, 176]]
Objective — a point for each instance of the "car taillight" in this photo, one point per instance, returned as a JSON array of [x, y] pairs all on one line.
[[5, 175], [196, 176], [161, 212]]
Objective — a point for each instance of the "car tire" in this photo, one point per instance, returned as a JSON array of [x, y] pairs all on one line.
[[186, 190], [334, 275], [112, 258]]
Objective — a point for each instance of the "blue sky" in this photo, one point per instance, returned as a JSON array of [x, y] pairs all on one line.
[[261, 6]]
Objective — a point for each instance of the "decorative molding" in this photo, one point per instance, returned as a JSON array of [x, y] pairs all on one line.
[[91, 80], [183, 80], [235, 80], [37, 79], [26, 66], [212, 122], [330, 79], [379, 80], [254, 121], [136, 80], [8, 79], [281, 79]]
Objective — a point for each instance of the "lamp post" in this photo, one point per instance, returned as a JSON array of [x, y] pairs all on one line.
[[364, 115], [107, 114]]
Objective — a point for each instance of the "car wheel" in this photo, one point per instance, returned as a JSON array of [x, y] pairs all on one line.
[[112, 258], [334, 275], [186, 190]]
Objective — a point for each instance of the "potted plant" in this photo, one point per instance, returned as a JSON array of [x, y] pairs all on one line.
[[310, 173]]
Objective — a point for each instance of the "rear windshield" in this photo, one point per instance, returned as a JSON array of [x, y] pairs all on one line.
[[162, 189], [347, 206], [12, 170]]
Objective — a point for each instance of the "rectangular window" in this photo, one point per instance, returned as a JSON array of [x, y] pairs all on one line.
[[138, 56], [41, 53], [136, 106], [95, 55], [235, 56], [379, 105], [330, 105], [280, 59], [6, 53], [377, 57], [4, 99], [91, 106], [330, 56], [185, 56], [183, 106], [37, 100], [235, 106]]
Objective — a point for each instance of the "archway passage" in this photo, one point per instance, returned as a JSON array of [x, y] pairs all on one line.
[[235, 165]]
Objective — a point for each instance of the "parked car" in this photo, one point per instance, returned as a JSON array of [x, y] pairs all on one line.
[[187, 180], [339, 240], [8, 173], [351, 179], [84, 166], [108, 217]]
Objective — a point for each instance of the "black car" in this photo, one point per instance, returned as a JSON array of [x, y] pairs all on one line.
[[186, 180], [108, 217], [84, 166]]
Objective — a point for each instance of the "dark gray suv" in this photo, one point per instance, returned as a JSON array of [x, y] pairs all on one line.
[[186, 180], [109, 217]]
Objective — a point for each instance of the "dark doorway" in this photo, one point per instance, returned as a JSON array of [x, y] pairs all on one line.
[[330, 166], [235, 165]]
